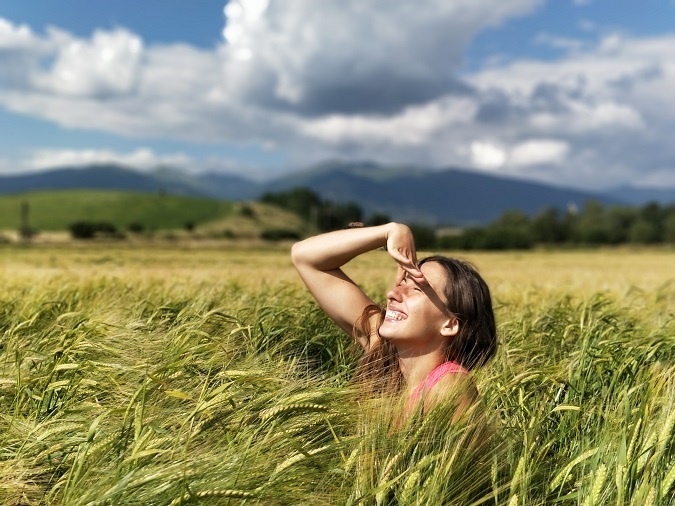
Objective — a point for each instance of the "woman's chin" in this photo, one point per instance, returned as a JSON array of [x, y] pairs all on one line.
[[387, 332]]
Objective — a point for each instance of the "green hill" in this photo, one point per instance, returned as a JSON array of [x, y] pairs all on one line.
[[56, 210]]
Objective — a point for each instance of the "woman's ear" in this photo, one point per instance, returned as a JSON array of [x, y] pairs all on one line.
[[450, 327]]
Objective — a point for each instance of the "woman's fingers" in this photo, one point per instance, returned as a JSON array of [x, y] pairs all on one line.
[[400, 275], [417, 276], [401, 247], [408, 265]]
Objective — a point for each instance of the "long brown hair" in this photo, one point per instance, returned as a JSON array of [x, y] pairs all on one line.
[[468, 299]]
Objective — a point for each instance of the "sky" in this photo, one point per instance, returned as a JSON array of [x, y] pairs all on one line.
[[576, 93]]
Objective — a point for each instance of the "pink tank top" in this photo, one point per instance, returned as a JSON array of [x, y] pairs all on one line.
[[434, 377]]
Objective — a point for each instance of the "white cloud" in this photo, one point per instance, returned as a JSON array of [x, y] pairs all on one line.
[[660, 178], [607, 103], [142, 158], [581, 118], [109, 64], [487, 156], [354, 79], [411, 127], [349, 56], [539, 152], [6, 166], [12, 37], [345, 58]]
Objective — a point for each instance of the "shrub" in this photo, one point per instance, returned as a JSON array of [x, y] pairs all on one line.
[[279, 234], [136, 227], [247, 212], [425, 236], [91, 230]]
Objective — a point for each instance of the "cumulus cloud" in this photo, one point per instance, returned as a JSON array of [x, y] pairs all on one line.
[[606, 103], [107, 65], [539, 152], [349, 56], [353, 79], [143, 158], [487, 156], [13, 37], [344, 57]]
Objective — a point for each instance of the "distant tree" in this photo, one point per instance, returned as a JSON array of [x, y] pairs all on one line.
[[669, 227], [136, 227], [91, 230], [247, 212], [298, 200], [510, 231], [504, 238], [592, 227], [425, 236], [619, 221], [469, 239], [82, 230], [325, 215], [26, 232], [654, 214], [279, 234], [189, 226], [335, 216], [643, 231], [378, 219], [547, 227]]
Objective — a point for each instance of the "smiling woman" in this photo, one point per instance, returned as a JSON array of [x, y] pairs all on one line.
[[438, 323]]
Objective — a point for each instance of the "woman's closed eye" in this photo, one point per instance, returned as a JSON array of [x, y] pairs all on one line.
[[407, 281]]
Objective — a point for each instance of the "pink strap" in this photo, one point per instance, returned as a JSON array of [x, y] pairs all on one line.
[[434, 377]]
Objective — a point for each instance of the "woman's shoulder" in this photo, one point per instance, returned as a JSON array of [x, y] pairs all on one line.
[[443, 370], [450, 382]]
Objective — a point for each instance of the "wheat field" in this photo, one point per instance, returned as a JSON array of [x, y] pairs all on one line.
[[205, 374]]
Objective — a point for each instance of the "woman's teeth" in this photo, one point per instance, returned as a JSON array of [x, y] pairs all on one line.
[[394, 315]]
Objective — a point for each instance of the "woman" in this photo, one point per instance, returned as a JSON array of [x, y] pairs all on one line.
[[438, 323]]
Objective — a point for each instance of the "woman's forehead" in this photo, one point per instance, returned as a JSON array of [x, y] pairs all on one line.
[[436, 275], [434, 271]]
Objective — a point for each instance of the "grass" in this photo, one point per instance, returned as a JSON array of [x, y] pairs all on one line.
[[208, 376], [55, 211]]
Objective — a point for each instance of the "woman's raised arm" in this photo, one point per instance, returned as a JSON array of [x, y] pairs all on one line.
[[319, 259]]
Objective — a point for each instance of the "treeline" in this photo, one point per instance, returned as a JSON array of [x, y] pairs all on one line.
[[324, 215], [592, 225]]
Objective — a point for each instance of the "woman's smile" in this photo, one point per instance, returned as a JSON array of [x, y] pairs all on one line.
[[395, 315]]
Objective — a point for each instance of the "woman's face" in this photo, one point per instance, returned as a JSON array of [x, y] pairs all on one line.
[[417, 311]]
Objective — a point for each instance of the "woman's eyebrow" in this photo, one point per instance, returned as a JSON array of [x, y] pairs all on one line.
[[434, 297]]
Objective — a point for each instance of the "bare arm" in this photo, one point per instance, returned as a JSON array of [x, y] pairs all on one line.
[[319, 259]]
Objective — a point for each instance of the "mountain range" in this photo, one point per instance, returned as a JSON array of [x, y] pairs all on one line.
[[438, 197]]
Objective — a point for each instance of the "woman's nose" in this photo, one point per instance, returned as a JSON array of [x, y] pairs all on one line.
[[395, 293]]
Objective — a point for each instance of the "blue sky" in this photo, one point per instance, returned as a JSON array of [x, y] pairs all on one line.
[[570, 92]]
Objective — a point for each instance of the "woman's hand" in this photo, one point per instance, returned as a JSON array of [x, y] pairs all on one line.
[[401, 247]]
